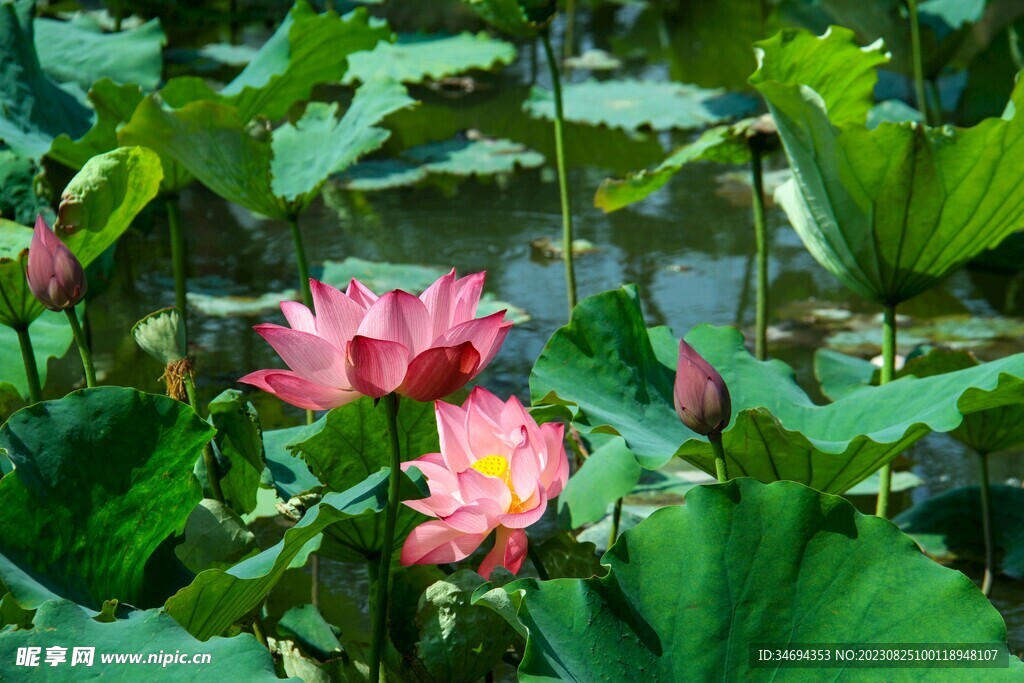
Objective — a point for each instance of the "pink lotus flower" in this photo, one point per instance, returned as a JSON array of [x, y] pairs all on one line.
[[496, 470], [357, 344], [54, 274], [700, 394]]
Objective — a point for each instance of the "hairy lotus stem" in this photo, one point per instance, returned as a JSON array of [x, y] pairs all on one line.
[[888, 371], [761, 236], [83, 347], [209, 461], [986, 524], [178, 259], [538, 564], [563, 182], [383, 577], [303, 265], [28, 357], [613, 535], [915, 46], [721, 473]]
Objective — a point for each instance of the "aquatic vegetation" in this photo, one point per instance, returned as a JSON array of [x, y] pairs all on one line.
[[661, 508]]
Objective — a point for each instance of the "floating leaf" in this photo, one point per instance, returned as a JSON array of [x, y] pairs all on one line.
[[61, 624], [33, 109], [246, 306], [612, 375], [893, 210], [381, 174], [480, 156], [946, 526], [692, 588], [78, 51], [100, 469], [414, 59], [215, 536], [594, 60], [632, 104], [216, 599], [900, 481]]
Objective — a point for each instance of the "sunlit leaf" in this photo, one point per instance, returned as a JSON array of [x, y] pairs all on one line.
[[114, 105], [415, 58]]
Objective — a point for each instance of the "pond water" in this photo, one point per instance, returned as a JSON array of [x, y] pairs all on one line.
[[688, 248]]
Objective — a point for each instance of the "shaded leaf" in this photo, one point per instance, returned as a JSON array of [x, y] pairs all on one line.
[[609, 473], [480, 156], [215, 537], [517, 17], [114, 105], [18, 198], [307, 626], [239, 442], [51, 337]]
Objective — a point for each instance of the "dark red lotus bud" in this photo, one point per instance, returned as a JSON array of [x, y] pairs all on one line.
[[701, 397], [54, 274]]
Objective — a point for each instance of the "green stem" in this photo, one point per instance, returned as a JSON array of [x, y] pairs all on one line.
[[28, 357], [888, 371], [761, 235], [531, 552], [83, 347], [986, 524], [178, 258], [258, 629], [209, 461], [570, 22], [300, 257], [384, 574], [563, 181], [915, 46], [720, 470], [613, 535], [314, 589]]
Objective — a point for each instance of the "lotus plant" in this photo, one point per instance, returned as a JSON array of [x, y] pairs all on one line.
[[57, 279], [496, 472], [360, 344]]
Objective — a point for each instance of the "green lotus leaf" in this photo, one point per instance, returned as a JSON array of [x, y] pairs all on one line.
[[62, 624], [100, 469], [609, 473], [451, 639], [946, 526], [889, 211], [414, 59], [78, 51], [308, 48], [308, 627], [276, 175], [104, 197], [633, 104], [239, 441], [721, 144], [516, 17], [290, 473], [347, 445], [480, 156], [51, 337], [18, 306], [692, 588], [215, 536], [33, 108], [217, 598], [610, 374], [114, 105], [381, 174], [18, 198]]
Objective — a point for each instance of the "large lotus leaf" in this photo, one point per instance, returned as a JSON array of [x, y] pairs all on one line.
[[481, 156], [414, 59], [61, 624], [347, 445], [18, 198], [18, 306], [290, 473], [239, 441], [104, 475], [33, 109], [691, 588], [609, 473], [633, 104], [722, 144], [78, 51], [217, 598], [213, 143], [215, 536], [104, 197], [319, 144], [308, 48], [51, 337], [892, 210], [947, 526], [114, 105], [612, 375]]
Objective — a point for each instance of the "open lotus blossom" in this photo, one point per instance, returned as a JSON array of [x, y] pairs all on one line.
[[54, 274], [359, 344], [497, 469]]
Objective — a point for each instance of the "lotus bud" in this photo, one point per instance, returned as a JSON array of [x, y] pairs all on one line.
[[701, 396], [54, 274]]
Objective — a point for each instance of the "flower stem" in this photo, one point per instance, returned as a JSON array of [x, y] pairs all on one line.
[[384, 574], [888, 371], [720, 470], [563, 182], [300, 258], [178, 258], [83, 347], [986, 524], [613, 535], [28, 357], [915, 46], [761, 236], [209, 461]]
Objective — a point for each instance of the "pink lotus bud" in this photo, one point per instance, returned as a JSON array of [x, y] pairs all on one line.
[[701, 397], [54, 274]]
